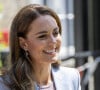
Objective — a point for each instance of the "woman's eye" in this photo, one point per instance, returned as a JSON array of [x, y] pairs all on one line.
[[56, 33], [42, 36]]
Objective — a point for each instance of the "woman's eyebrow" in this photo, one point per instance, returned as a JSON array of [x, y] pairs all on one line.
[[41, 32]]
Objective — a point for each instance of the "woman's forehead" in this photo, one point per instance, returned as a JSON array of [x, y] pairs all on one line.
[[43, 23]]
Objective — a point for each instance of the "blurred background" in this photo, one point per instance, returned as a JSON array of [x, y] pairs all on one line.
[[80, 21]]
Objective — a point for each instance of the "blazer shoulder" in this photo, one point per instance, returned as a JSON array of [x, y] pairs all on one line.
[[69, 73], [68, 70]]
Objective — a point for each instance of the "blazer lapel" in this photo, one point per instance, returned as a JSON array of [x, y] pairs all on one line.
[[58, 79]]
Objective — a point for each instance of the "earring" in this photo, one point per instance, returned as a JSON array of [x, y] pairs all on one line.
[[27, 57], [26, 54]]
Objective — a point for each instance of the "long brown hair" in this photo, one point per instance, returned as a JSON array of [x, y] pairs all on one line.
[[21, 72]]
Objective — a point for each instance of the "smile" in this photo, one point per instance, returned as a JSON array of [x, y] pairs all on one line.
[[51, 52]]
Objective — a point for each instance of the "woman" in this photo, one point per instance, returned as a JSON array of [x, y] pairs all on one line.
[[35, 41]]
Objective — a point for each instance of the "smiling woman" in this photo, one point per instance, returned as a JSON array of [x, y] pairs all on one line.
[[43, 41], [35, 41]]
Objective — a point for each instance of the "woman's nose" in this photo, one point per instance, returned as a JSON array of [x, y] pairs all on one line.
[[52, 39]]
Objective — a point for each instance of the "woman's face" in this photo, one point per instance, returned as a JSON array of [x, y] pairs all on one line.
[[43, 40]]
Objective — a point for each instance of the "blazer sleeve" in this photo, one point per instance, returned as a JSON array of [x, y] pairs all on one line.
[[2, 85]]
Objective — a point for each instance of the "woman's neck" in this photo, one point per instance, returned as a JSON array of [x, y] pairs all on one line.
[[43, 74]]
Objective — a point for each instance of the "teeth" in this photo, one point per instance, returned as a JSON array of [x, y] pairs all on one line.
[[50, 51]]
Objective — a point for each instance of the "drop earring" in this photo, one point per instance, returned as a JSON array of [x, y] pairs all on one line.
[[27, 56]]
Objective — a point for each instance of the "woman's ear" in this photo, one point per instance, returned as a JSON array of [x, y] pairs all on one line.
[[23, 43]]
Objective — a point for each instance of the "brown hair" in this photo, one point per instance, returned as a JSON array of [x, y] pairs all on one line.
[[21, 71]]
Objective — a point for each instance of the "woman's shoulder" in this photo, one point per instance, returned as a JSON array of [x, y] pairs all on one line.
[[66, 69], [3, 85], [67, 72]]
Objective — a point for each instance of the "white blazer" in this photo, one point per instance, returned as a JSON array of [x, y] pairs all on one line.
[[66, 78]]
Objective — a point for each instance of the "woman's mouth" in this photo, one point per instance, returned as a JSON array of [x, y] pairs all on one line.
[[50, 52]]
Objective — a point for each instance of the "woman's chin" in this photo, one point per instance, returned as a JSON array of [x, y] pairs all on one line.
[[53, 60]]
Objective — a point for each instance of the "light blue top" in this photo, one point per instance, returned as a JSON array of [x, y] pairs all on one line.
[[64, 79]]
